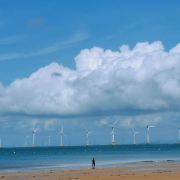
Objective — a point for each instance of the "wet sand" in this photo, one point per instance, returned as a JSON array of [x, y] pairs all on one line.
[[140, 171]]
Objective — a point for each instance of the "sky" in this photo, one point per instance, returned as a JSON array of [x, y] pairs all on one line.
[[84, 65]]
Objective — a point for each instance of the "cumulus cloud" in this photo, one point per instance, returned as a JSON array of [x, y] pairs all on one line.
[[141, 80]]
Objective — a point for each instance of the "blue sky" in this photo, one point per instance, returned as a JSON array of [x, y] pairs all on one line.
[[34, 34], [28, 27]]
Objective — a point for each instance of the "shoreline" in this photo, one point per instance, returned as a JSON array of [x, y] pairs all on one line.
[[100, 165], [152, 170], [67, 158]]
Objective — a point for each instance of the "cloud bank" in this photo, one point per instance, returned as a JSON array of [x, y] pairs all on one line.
[[141, 80]]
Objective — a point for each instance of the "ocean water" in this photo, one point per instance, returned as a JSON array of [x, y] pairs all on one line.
[[45, 158]]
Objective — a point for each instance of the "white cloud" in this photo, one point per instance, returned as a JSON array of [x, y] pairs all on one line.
[[141, 80]]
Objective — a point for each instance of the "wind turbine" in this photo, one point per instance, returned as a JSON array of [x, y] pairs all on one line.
[[113, 141], [61, 136], [148, 133], [87, 137], [34, 131], [134, 136]]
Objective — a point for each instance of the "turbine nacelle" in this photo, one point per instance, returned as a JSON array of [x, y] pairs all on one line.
[[136, 132], [34, 131], [88, 132], [150, 126]]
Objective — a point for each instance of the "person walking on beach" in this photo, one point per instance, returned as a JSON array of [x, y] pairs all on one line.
[[93, 163]]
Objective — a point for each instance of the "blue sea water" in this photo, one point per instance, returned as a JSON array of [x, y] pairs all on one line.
[[43, 158]]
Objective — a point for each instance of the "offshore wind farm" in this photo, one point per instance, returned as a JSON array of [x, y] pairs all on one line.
[[89, 90], [36, 157], [31, 141]]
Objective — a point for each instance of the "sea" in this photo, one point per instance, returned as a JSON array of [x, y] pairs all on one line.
[[79, 157]]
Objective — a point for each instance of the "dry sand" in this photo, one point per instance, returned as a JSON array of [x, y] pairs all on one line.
[[148, 171]]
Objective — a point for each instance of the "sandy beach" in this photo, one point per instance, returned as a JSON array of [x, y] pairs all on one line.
[[148, 170]]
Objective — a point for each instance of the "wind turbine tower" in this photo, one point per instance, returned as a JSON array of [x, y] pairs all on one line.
[[134, 136], [61, 136], [33, 137], [113, 141], [87, 137], [113, 137], [179, 134], [148, 133]]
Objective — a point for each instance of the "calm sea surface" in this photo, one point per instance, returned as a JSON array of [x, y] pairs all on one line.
[[43, 158]]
